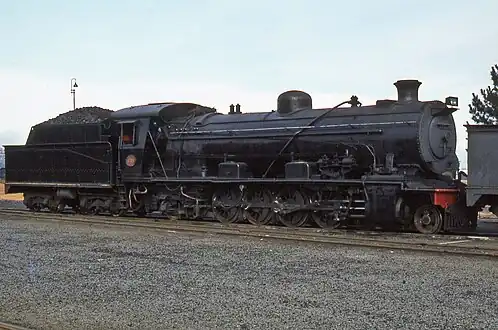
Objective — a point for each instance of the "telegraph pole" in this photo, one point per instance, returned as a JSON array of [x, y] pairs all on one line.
[[73, 91]]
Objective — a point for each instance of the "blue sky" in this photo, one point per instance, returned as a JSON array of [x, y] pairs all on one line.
[[222, 52]]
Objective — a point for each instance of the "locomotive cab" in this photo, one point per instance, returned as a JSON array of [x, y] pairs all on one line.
[[132, 140], [142, 135]]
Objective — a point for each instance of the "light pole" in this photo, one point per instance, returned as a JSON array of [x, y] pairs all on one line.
[[73, 91]]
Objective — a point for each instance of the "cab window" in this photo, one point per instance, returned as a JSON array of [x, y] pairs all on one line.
[[128, 134]]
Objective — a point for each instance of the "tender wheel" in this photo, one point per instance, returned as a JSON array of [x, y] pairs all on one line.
[[35, 204], [84, 205], [56, 206], [94, 210], [289, 200], [226, 206], [75, 208], [259, 211], [61, 207], [428, 219], [36, 207]]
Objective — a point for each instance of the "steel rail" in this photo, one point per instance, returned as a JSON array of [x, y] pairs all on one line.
[[265, 233], [244, 227]]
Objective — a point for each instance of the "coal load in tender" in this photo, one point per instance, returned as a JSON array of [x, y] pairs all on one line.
[[83, 115]]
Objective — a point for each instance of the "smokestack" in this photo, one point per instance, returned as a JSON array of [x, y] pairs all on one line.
[[237, 108], [407, 90], [231, 109]]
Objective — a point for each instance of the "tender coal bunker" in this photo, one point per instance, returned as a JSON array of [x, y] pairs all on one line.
[[83, 115], [293, 100]]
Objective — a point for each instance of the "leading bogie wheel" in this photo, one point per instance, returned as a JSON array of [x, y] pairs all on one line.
[[428, 219]]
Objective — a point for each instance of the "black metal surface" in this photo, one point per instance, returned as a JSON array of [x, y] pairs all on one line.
[[71, 163], [299, 170], [66, 133], [165, 111], [407, 90], [291, 101], [411, 132], [234, 170]]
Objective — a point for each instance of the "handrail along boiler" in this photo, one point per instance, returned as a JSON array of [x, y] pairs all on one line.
[[390, 164]]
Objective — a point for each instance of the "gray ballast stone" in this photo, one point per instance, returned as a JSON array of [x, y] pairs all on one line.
[[66, 276]]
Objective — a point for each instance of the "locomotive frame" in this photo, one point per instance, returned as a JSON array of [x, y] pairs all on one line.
[[148, 159]]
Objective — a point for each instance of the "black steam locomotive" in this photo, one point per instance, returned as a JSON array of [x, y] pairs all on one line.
[[388, 164]]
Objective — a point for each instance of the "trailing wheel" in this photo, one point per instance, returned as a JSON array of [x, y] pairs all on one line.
[[289, 202], [258, 211], [428, 219], [118, 212], [36, 207], [35, 204], [226, 205], [141, 212], [327, 219]]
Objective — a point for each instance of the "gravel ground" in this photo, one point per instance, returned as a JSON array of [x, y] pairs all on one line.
[[67, 276]]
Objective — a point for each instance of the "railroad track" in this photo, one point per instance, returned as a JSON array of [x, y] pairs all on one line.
[[243, 226], [454, 244], [212, 222]]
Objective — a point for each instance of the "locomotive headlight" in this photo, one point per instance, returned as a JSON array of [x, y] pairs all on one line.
[[131, 160], [452, 101]]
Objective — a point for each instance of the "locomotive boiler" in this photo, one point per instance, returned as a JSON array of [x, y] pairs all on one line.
[[392, 163], [403, 136]]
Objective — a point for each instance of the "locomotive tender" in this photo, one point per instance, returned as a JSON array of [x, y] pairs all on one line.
[[391, 164]]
